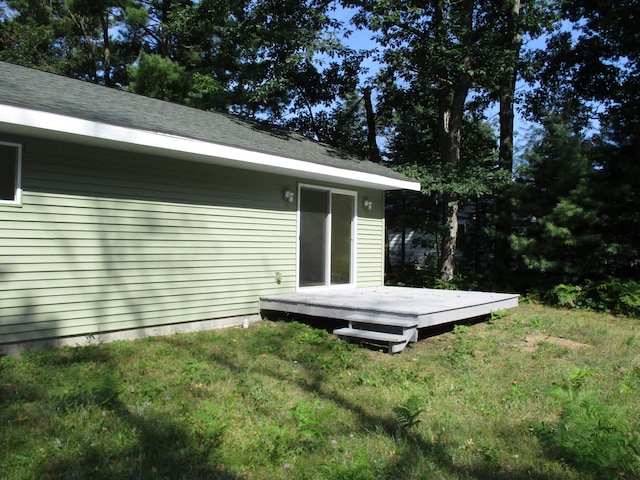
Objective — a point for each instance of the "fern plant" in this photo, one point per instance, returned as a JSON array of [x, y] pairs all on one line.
[[593, 435], [407, 415]]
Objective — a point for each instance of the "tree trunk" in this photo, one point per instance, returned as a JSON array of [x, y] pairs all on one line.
[[106, 48], [506, 92], [164, 42], [450, 114], [449, 240], [451, 104], [374, 152]]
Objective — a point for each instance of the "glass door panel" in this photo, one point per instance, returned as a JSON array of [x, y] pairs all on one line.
[[341, 238], [314, 211]]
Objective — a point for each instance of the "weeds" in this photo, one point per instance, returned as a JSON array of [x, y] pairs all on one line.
[[515, 396], [461, 348], [579, 376]]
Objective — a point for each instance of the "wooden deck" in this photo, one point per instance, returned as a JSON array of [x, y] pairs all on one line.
[[387, 312]]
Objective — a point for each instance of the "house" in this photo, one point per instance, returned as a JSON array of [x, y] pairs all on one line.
[[125, 216]]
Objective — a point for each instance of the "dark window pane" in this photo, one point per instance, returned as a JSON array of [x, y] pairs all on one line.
[[8, 170]]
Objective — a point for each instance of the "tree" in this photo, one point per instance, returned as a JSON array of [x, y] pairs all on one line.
[[29, 30], [274, 60], [560, 235], [344, 125], [505, 88], [438, 51], [414, 146], [77, 38], [589, 77], [592, 67], [92, 22]]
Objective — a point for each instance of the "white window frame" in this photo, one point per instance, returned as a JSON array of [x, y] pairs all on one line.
[[354, 237], [17, 198]]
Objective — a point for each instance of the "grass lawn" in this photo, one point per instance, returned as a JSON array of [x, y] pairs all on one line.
[[538, 393]]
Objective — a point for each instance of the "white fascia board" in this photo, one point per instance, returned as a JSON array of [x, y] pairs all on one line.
[[54, 125]]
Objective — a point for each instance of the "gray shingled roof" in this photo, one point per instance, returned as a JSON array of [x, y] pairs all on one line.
[[42, 91]]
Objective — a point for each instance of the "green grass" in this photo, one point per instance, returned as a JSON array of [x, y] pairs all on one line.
[[537, 393]]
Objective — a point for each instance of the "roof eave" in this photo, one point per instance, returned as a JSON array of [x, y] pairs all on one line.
[[51, 125]]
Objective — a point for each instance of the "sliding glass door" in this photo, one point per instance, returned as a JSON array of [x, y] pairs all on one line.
[[327, 232]]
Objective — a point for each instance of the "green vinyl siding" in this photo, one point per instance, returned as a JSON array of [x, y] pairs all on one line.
[[107, 240], [370, 240]]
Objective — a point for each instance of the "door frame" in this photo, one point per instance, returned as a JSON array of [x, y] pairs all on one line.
[[354, 237]]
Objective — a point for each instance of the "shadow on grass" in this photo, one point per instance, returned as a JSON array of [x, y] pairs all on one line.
[[161, 449], [123, 441], [417, 455]]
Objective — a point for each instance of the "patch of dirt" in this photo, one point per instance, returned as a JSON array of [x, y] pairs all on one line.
[[533, 341]]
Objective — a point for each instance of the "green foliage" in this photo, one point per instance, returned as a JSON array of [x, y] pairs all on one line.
[[593, 435], [589, 78], [279, 442], [316, 337], [578, 377], [407, 415], [497, 315], [433, 55], [515, 395], [269, 59], [566, 295], [560, 235], [631, 381], [313, 422], [360, 468], [207, 93], [610, 295], [621, 296], [461, 348], [159, 77]]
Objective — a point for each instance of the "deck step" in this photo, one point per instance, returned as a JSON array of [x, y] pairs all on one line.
[[410, 333], [394, 342], [406, 328], [363, 318]]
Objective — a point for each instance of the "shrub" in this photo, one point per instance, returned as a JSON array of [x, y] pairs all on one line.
[[619, 296], [566, 295], [611, 295]]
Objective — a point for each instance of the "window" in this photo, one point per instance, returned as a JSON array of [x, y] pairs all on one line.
[[10, 174]]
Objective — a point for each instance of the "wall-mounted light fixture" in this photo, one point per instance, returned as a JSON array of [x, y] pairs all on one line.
[[288, 195], [367, 204]]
